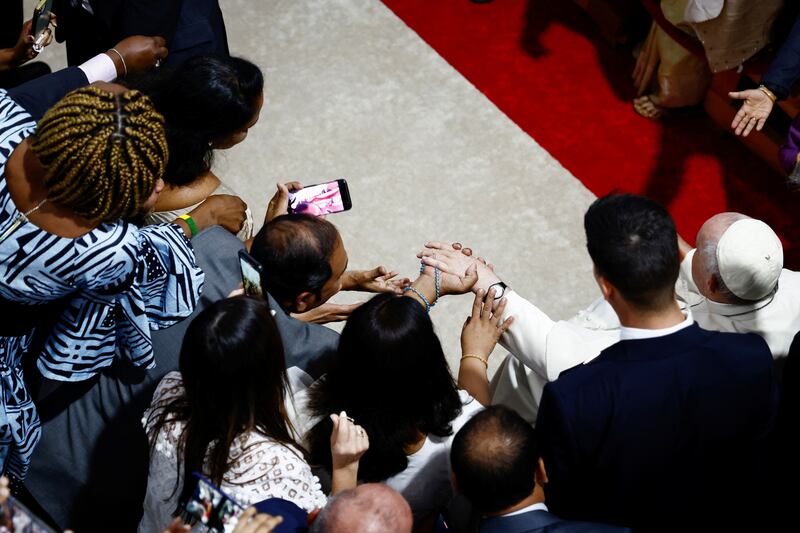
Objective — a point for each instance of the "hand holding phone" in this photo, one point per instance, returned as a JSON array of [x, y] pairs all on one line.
[[322, 199], [40, 25], [213, 508], [251, 274]]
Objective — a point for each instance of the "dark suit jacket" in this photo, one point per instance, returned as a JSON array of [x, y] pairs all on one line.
[[39, 95], [90, 468], [784, 71], [190, 27], [542, 521], [655, 431]]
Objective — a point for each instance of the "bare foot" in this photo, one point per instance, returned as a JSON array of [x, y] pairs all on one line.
[[647, 106]]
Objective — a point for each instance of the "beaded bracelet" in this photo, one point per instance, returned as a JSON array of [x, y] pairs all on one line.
[[421, 297], [437, 283]]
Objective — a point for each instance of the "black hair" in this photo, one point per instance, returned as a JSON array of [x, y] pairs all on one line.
[[390, 375], [204, 99], [494, 459], [633, 244], [234, 380], [294, 252]]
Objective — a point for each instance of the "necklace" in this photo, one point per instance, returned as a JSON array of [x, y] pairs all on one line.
[[21, 219]]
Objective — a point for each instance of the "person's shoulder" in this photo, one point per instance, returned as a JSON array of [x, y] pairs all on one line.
[[734, 343]]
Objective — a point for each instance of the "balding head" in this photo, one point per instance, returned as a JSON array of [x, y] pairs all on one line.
[[705, 263], [495, 460], [303, 259], [369, 508]]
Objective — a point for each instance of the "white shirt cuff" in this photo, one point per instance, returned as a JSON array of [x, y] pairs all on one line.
[[99, 68]]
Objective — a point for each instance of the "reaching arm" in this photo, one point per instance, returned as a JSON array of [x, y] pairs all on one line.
[[348, 443], [478, 338]]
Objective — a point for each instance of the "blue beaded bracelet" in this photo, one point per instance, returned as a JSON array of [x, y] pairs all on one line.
[[437, 275], [421, 296]]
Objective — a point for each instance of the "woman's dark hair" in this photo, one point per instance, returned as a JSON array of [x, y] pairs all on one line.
[[391, 377], [204, 99], [234, 379]]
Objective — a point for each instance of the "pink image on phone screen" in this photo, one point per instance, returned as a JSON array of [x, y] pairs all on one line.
[[317, 200]]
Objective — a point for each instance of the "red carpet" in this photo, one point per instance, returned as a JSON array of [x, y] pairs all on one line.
[[544, 64]]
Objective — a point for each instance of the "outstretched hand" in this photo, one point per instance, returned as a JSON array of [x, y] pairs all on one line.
[[379, 279], [456, 260], [753, 113], [327, 312], [483, 329]]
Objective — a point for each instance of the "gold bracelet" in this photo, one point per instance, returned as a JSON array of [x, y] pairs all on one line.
[[478, 357], [770, 94]]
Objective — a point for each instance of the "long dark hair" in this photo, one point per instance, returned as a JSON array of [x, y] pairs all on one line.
[[234, 378], [204, 99], [392, 377]]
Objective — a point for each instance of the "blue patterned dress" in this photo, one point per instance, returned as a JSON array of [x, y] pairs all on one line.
[[120, 281]]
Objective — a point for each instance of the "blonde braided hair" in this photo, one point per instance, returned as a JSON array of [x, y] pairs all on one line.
[[103, 152]]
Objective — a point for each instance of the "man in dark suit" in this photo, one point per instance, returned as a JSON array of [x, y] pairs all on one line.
[[190, 27], [668, 428], [496, 466]]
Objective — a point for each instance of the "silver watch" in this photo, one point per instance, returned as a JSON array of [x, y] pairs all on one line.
[[499, 289]]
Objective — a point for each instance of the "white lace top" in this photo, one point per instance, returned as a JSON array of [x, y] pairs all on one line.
[[260, 468]]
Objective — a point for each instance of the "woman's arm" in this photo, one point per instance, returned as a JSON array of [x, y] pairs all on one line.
[[479, 336], [348, 443]]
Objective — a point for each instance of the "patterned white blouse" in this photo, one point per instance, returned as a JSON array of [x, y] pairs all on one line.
[[260, 468]]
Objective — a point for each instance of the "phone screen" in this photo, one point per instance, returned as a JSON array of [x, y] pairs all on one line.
[[212, 507], [322, 199], [251, 274], [16, 518]]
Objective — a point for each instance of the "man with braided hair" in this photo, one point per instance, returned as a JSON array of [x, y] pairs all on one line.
[[71, 271]]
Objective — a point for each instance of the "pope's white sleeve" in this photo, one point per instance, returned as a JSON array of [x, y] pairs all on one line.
[[686, 272], [526, 338]]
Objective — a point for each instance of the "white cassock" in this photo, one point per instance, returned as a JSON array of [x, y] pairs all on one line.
[[541, 348]]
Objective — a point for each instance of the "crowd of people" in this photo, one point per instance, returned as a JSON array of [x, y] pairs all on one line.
[[131, 361]]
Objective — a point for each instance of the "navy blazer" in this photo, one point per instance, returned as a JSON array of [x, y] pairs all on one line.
[[39, 95], [784, 70], [190, 27], [655, 431], [541, 521]]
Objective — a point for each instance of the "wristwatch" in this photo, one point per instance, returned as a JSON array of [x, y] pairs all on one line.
[[499, 289]]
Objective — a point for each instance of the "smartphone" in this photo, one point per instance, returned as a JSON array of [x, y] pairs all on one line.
[[41, 16], [16, 518], [322, 199], [40, 24], [251, 274], [212, 507]]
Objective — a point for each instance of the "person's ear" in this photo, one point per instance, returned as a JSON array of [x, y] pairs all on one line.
[[305, 301], [454, 482], [712, 284], [541, 473], [606, 288]]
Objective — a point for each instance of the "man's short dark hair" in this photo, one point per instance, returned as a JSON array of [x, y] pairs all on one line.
[[633, 244], [294, 252], [494, 459]]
